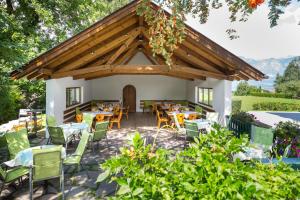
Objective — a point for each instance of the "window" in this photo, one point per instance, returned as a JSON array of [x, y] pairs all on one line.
[[73, 96], [205, 96]]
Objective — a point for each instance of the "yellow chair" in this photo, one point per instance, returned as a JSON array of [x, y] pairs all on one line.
[[116, 119], [161, 119], [100, 118], [126, 111], [192, 116], [79, 118], [180, 118]]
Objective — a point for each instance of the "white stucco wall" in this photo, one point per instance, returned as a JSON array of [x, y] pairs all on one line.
[[148, 87], [56, 95], [221, 94]]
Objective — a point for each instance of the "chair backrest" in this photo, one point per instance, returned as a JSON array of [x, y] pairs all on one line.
[[88, 119], [16, 142], [79, 118], [212, 117], [158, 114], [180, 118], [100, 130], [176, 122], [127, 109], [191, 129], [77, 110], [56, 135], [82, 143], [192, 116], [147, 103], [263, 136], [198, 109], [120, 115], [50, 120], [47, 163], [23, 112], [100, 117]]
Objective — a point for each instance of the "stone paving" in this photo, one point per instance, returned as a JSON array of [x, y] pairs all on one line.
[[81, 184]]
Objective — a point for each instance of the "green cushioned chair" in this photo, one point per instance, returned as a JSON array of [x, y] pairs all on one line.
[[191, 129], [88, 119], [47, 164], [183, 103], [51, 121], [262, 136], [57, 136], [77, 111], [12, 174], [75, 158], [100, 132], [147, 105], [16, 142]]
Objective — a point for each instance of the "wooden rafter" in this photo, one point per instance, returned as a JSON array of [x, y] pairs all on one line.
[[101, 50]]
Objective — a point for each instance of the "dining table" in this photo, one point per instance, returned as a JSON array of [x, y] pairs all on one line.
[[94, 113], [186, 113], [25, 157], [201, 123], [73, 129]]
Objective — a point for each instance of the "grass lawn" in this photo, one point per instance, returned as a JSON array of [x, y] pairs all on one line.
[[248, 101]]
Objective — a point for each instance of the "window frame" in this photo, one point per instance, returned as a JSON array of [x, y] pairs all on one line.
[[75, 94], [210, 93]]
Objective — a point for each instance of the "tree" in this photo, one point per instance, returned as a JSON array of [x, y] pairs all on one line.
[[289, 82], [166, 33], [29, 28], [244, 89]]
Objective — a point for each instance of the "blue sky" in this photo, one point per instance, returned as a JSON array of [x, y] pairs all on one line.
[[257, 40]]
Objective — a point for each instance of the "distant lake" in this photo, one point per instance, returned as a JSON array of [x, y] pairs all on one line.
[[291, 115]]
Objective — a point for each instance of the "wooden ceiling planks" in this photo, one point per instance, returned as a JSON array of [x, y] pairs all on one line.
[[113, 41]]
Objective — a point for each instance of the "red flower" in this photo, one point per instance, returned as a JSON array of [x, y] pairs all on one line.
[[254, 3]]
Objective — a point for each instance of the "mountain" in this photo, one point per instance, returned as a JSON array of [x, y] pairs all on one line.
[[270, 67]]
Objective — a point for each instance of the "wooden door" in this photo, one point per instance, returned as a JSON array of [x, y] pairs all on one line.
[[129, 97]]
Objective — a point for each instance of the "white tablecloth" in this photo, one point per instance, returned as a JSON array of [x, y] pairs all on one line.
[[186, 113], [201, 123], [73, 129], [250, 153], [25, 157], [98, 112]]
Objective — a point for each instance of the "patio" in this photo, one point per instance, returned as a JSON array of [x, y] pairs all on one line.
[[78, 184]]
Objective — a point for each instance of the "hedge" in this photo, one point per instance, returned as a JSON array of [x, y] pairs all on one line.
[[276, 106], [265, 94]]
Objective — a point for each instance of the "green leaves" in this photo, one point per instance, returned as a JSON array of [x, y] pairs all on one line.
[[103, 176], [204, 170]]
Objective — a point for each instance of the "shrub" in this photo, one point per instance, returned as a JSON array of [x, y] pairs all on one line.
[[274, 95], [205, 170], [236, 106], [287, 133], [243, 117], [276, 106]]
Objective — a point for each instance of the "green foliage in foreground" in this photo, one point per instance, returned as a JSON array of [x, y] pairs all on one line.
[[205, 170], [248, 101]]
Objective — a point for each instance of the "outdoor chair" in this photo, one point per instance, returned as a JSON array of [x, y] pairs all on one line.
[[78, 115], [47, 164], [75, 158], [12, 174], [191, 129], [213, 117], [117, 120], [192, 116], [57, 136], [262, 136], [199, 110], [88, 119], [100, 133], [126, 112], [100, 118], [180, 118], [161, 119], [51, 121], [154, 108], [179, 129], [147, 105], [16, 142]]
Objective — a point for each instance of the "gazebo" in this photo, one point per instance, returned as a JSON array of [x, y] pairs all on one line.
[[112, 61]]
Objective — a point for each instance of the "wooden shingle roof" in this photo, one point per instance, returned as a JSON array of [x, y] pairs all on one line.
[[106, 47]]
